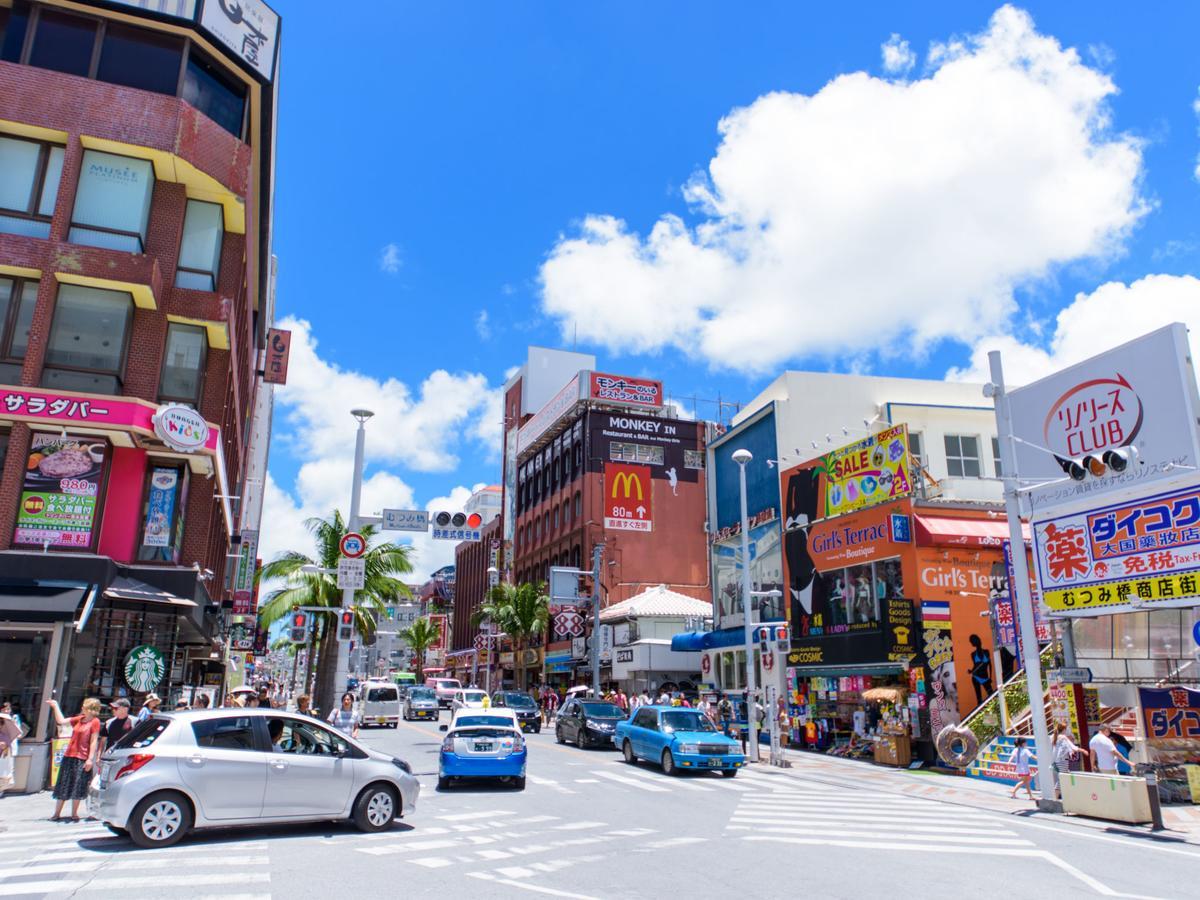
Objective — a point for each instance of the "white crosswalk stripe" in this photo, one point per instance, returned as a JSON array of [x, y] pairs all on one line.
[[682, 782], [633, 782]]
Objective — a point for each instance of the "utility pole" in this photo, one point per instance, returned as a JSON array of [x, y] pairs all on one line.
[[597, 553], [742, 457], [342, 666]]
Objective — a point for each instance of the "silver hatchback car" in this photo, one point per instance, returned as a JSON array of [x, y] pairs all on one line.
[[223, 767]]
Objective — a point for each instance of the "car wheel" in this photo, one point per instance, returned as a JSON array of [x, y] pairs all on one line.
[[558, 735], [729, 773], [668, 763], [443, 783], [395, 724], [630, 756], [119, 832], [537, 729], [375, 809], [579, 741], [519, 783], [160, 820]]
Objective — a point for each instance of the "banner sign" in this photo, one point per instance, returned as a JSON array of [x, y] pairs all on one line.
[[621, 389], [248, 28], [1142, 393], [60, 492], [243, 576], [540, 421], [1172, 715], [871, 471], [439, 622], [1040, 624], [279, 348], [1106, 559], [160, 507], [569, 621], [627, 498]]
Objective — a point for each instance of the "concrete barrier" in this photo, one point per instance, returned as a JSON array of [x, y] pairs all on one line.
[[1118, 798]]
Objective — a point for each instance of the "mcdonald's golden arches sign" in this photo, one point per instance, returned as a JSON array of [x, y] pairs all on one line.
[[627, 497]]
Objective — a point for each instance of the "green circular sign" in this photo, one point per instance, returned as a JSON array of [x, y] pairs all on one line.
[[144, 668]]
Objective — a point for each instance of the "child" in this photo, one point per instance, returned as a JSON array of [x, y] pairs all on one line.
[[1021, 758]]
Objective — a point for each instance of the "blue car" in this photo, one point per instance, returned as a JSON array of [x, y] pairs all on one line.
[[678, 739], [483, 745]]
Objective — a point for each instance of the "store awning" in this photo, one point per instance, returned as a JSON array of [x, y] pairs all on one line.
[[945, 531], [131, 589], [39, 603], [695, 641], [846, 671]]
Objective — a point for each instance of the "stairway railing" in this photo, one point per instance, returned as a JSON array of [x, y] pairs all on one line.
[[984, 720]]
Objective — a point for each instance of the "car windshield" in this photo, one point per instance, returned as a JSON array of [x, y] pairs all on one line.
[[686, 721], [470, 721], [448, 684], [484, 732], [521, 701], [381, 695], [603, 710], [421, 693], [474, 696]]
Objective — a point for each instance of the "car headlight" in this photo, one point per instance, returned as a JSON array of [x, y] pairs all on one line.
[[402, 765], [599, 726], [688, 748]]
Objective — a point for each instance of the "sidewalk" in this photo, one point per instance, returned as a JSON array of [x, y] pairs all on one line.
[[1182, 822]]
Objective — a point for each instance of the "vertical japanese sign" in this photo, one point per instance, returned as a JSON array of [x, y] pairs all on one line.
[[439, 622], [160, 507], [627, 498], [279, 348], [1040, 625], [873, 470], [243, 578], [249, 28], [61, 491]]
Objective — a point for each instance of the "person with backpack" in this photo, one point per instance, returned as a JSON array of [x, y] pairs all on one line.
[[725, 714]]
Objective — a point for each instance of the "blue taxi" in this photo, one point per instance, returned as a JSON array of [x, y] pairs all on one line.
[[483, 744], [679, 739]]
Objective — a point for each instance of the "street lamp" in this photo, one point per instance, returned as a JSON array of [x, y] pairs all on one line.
[[493, 575], [742, 457], [360, 440]]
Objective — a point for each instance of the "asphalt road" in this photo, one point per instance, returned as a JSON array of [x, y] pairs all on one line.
[[588, 825]]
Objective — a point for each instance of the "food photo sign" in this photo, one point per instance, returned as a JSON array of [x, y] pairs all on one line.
[[61, 491]]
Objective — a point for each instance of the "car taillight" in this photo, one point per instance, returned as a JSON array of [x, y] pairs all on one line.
[[518, 744], [133, 763], [448, 744]]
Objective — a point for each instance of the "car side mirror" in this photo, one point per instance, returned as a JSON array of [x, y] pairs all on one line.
[[443, 728]]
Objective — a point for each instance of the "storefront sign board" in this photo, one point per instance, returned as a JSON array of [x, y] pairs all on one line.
[[868, 472], [625, 390], [243, 577], [61, 491], [144, 668], [541, 421], [628, 498], [160, 507], [279, 348]]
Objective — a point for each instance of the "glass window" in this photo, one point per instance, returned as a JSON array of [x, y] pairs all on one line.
[[183, 363], [140, 58], [112, 203], [13, 24], [693, 459], [996, 457], [17, 300], [212, 92], [142, 734], [1166, 637], [200, 250], [1093, 636], [63, 42], [227, 733], [962, 456], [30, 172], [1130, 636], [88, 335], [916, 447], [638, 453]]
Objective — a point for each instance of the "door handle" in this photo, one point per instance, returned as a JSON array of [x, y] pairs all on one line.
[[195, 760], [280, 764]]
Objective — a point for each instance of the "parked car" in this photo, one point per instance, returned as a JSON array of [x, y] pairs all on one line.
[[469, 699], [482, 744], [180, 771], [587, 722], [380, 704], [526, 708], [420, 703], [444, 688], [678, 739]]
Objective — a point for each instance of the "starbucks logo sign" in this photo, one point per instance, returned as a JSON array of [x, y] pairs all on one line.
[[144, 668]]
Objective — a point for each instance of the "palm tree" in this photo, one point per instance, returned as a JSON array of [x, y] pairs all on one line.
[[420, 636], [521, 612], [318, 587]]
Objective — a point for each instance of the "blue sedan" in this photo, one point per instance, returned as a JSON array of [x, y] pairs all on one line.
[[482, 745], [678, 739]]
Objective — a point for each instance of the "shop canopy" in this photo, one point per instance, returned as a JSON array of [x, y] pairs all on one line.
[[657, 601], [132, 589], [945, 530], [40, 602], [695, 641]]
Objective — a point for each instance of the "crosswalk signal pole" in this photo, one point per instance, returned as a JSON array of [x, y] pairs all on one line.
[[597, 552]]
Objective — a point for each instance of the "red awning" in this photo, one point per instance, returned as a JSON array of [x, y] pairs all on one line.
[[942, 531]]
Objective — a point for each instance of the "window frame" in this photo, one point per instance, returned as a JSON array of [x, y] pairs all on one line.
[[997, 462], [9, 324], [119, 375], [105, 229], [30, 212], [961, 457], [172, 398], [214, 275], [693, 459], [919, 454]]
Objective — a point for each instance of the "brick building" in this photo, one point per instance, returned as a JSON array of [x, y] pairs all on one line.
[[136, 282]]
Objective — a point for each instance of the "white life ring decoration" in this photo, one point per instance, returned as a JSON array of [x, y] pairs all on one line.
[[957, 745]]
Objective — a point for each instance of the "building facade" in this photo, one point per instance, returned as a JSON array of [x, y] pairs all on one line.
[[136, 280]]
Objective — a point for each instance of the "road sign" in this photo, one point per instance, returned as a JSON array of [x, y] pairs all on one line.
[[1196, 633], [352, 545], [1076, 675], [351, 574], [456, 534], [405, 520]]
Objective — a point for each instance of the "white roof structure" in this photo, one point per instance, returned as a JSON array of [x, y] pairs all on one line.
[[657, 601]]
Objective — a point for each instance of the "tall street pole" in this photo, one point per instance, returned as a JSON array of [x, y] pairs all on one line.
[[1020, 591], [742, 457], [493, 575], [342, 668], [597, 552]]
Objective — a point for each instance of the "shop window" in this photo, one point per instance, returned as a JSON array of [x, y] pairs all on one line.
[[63, 42], [996, 457], [635, 453], [183, 363], [1167, 640], [693, 459], [112, 203], [850, 600], [30, 172], [200, 250], [88, 337], [14, 22], [140, 58], [17, 300], [162, 513], [578, 504], [962, 456], [1131, 636], [214, 93]]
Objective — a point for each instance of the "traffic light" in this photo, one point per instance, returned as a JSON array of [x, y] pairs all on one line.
[[345, 631], [446, 519], [298, 627], [1099, 464]]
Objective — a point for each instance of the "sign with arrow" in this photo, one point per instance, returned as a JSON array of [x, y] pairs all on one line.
[[628, 496]]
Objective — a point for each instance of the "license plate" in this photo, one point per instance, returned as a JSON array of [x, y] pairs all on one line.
[[422, 714], [381, 719], [714, 762], [483, 748]]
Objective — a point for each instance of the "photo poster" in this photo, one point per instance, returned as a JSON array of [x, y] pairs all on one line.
[[160, 506], [61, 491]]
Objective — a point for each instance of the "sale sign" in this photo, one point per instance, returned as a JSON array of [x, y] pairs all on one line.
[[873, 470], [627, 497]]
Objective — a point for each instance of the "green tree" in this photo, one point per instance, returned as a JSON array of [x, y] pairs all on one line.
[[420, 636], [384, 563], [520, 611]]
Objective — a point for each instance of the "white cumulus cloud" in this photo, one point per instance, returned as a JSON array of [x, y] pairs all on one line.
[[898, 57], [872, 216], [390, 260]]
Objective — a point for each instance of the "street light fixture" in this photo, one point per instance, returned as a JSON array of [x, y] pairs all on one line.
[[360, 439], [742, 457]]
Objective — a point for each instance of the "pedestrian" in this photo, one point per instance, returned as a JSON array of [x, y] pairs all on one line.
[[551, 706], [1105, 753], [117, 727], [9, 744], [1065, 750], [149, 706], [75, 770], [622, 700], [181, 704], [343, 718], [264, 698], [201, 702], [725, 714], [303, 706], [664, 699], [228, 701], [1021, 759], [644, 698], [251, 700]]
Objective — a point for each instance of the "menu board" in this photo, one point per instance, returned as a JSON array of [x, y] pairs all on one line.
[[61, 491]]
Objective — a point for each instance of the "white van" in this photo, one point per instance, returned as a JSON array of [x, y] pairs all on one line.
[[380, 704]]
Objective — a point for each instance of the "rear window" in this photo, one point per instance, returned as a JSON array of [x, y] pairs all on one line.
[[474, 696], [448, 684], [143, 734], [469, 721], [382, 695], [230, 733], [521, 701], [485, 732]]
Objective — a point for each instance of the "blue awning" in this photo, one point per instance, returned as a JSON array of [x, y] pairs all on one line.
[[695, 641]]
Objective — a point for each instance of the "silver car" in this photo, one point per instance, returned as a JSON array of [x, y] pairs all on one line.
[[420, 703], [222, 767]]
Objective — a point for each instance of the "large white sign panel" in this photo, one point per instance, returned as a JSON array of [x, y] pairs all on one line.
[[249, 28], [1142, 393], [351, 574]]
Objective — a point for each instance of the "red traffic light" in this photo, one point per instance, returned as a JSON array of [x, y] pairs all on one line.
[[347, 617], [299, 619]]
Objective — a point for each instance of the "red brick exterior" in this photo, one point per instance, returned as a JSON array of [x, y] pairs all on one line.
[[471, 562]]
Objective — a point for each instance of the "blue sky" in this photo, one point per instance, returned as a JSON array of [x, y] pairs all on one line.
[[895, 191]]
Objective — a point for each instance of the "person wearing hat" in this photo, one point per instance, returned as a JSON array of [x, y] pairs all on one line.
[[149, 706], [118, 726]]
